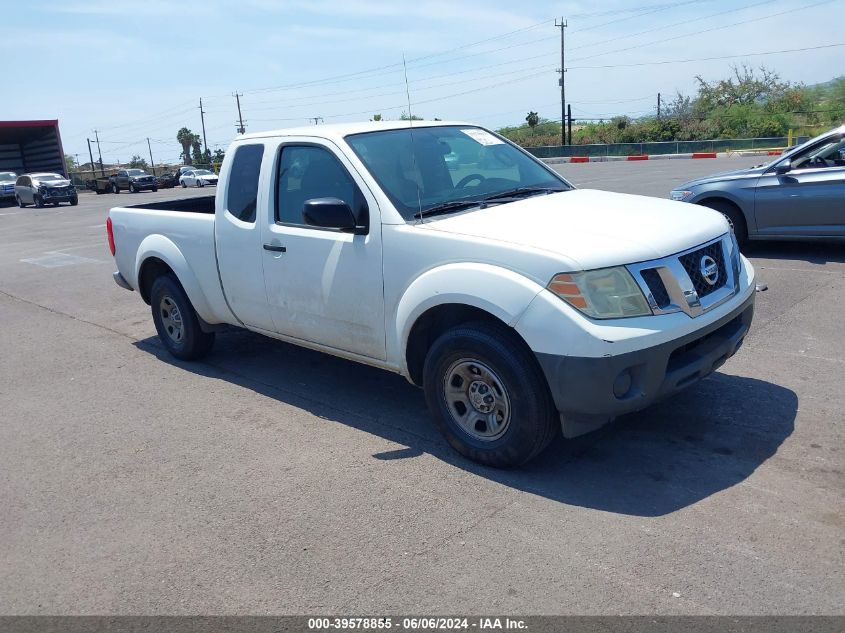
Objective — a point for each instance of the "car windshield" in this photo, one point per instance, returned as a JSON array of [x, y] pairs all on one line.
[[6, 176], [47, 177], [135, 172], [427, 170], [201, 172]]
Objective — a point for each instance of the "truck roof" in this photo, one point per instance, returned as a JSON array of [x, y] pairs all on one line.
[[339, 130]]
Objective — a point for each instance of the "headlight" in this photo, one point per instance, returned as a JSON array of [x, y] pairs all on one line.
[[606, 293], [679, 195]]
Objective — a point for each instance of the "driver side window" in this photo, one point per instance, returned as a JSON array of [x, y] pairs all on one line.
[[830, 153]]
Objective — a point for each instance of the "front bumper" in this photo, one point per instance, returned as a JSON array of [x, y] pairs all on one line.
[[145, 185], [589, 392], [58, 197]]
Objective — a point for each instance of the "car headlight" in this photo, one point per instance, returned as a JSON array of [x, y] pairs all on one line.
[[606, 293], [679, 195]]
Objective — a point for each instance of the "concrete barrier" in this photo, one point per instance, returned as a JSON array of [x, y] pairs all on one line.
[[704, 155], [640, 157]]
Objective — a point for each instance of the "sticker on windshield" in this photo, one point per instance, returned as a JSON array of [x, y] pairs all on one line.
[[482, 136]]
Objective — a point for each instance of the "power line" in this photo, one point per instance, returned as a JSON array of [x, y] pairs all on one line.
[[707, 59]]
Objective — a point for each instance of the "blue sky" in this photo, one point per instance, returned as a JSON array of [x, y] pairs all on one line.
[[137, 69]]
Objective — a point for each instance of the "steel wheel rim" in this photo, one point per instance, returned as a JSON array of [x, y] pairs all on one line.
[[171, 319], [477, 399]]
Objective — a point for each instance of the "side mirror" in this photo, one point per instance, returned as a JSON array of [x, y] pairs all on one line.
[[331, 213], [783, 167]]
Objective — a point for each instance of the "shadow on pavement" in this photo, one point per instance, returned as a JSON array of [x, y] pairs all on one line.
[[706, 439], [811, 252]]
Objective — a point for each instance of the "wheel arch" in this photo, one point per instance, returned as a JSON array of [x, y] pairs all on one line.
[[453, 294], [158, 256], [719, 197]]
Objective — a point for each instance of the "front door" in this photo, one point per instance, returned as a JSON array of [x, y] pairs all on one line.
[[807, 200], [323, 286]]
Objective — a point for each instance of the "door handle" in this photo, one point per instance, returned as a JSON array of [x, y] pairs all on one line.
[[275, 249]]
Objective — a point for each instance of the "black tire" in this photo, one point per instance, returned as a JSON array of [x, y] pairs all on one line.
[[734, 217], [189, 342], [200, 183], [132, 188], [184, 186], [20, 202], [155, 189], [115, 188], [74, 201], [531, 421], [39, 201]]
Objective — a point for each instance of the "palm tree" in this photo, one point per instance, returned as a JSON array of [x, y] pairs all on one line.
[[186, 139], [533, 119]]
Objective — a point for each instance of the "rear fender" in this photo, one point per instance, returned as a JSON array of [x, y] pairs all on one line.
[[160, 247]]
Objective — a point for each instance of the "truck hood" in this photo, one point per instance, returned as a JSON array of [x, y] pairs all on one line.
[[593, 228], [53, 183]]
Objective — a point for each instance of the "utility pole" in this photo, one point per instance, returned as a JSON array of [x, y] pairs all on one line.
[[658, 106], [97, 136], [316, 119], [562, 70], [202, 118], [569, 118], [241, 128], [91, 156], [152, 163]]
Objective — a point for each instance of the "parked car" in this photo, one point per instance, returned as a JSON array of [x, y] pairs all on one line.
[[7, 184], [799, 195], [520, 304], [40, 189], [133, 180], [198, 178], [167, 180]]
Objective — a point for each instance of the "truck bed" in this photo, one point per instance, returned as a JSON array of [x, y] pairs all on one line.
[[196, 204]]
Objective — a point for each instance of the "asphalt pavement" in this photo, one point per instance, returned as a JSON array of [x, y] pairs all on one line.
[[270, 479]]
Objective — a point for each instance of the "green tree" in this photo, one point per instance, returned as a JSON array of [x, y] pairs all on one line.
[[70, 162], [136, 162], [413, 117], [196, 150], [532, 119], [376, 117], [187, 139]]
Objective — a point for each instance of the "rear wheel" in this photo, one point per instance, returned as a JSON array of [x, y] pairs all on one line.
[[176, 321], [734, 217], [488, 396]]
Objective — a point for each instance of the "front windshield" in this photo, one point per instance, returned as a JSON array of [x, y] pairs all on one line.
[[6, 176], [423, 168], [47, 177], [135, 172], [201, 172]]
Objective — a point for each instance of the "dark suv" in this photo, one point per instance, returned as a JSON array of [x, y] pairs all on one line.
[[133, 180]]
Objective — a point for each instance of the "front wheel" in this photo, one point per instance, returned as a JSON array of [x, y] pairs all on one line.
[[488, 396], [115, 188], [39, 201], [155, 189], [74, 201], [132, 188], [20, 202], [184, 185], [176, 321]]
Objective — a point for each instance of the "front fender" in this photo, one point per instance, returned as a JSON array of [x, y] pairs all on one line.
[[161, 247], [501, 292]]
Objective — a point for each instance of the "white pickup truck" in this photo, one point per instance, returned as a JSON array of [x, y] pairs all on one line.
[[449, 255]]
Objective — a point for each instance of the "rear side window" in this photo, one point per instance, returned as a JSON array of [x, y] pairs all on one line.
[[242, 192]]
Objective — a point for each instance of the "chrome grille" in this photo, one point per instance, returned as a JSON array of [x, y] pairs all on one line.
[[678, 283], [692, 264]]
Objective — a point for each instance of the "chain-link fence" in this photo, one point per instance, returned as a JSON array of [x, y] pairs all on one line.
[[665, 147]]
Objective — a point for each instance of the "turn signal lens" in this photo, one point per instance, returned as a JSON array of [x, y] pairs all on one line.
[[110, 234], [606, 293]]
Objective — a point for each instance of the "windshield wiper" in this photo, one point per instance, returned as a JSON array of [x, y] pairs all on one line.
[[446, 207], [524, 191]]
